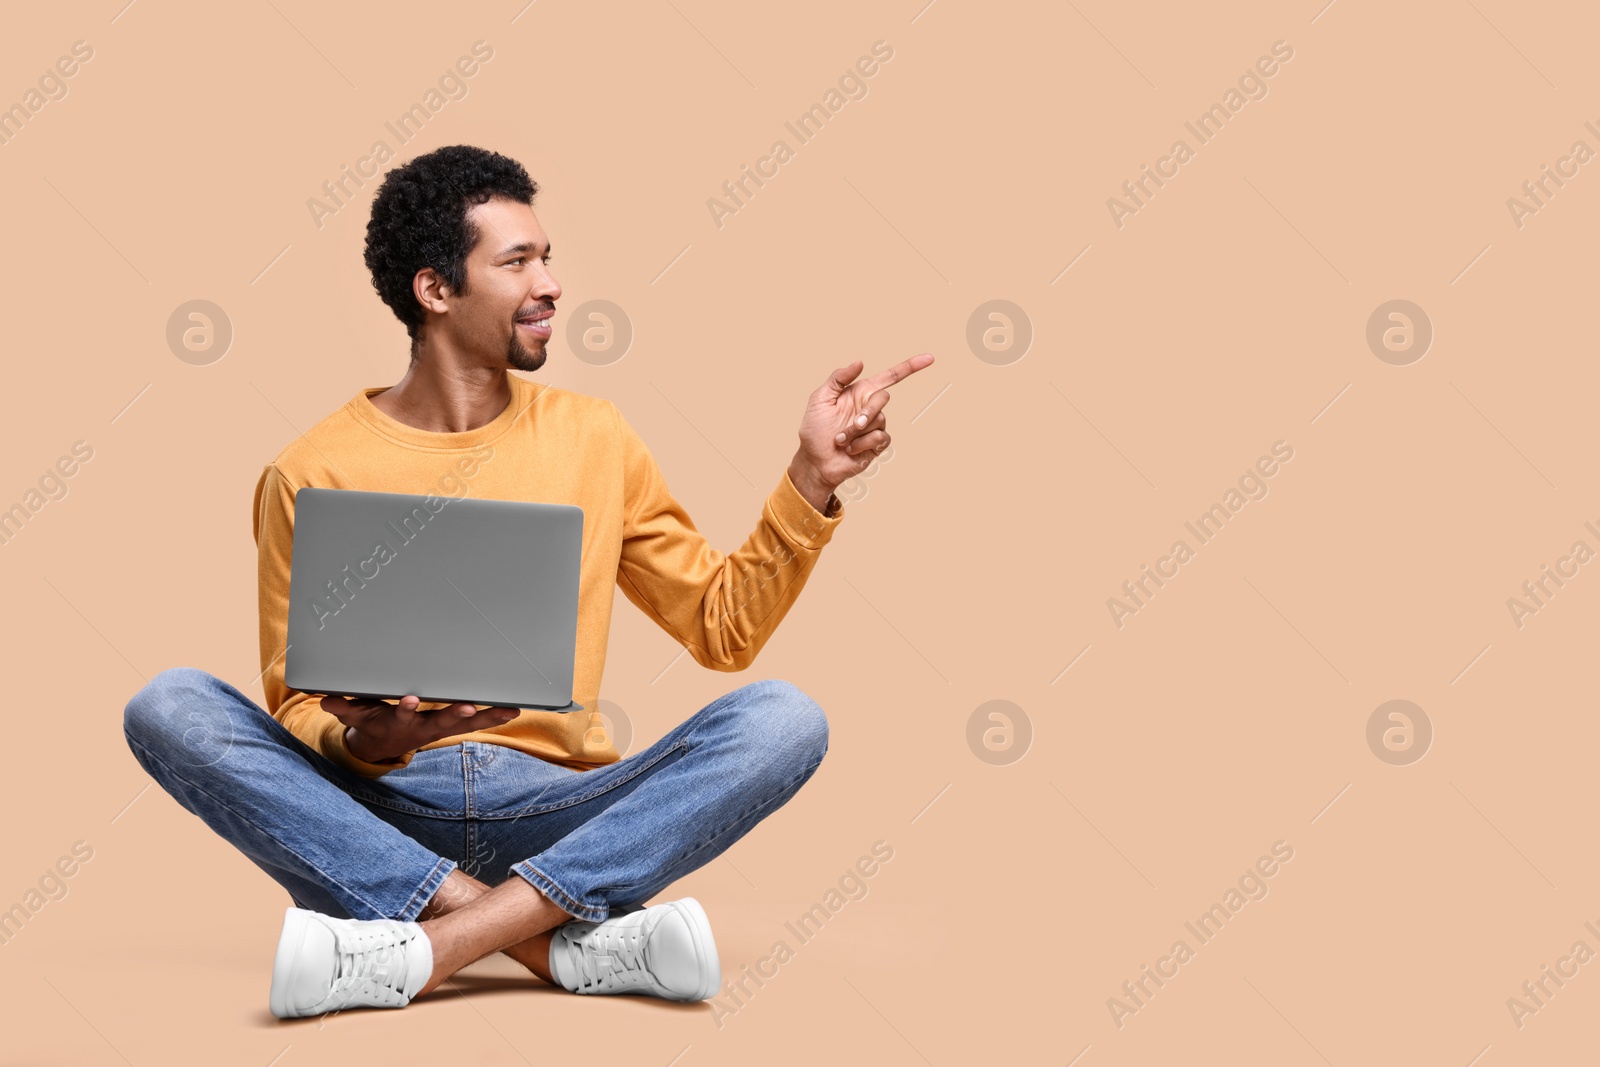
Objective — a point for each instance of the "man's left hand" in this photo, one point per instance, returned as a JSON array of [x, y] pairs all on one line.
[[844, 427]]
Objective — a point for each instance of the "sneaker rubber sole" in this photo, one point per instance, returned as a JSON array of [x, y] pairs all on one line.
[[705, 946], [295, 924]]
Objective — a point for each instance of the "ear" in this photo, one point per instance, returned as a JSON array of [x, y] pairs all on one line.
[[431, 290]]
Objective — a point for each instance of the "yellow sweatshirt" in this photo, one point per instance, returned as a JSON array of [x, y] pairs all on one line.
[[555, 446]]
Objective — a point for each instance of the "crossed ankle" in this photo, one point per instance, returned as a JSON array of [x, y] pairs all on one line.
[[458, 890]]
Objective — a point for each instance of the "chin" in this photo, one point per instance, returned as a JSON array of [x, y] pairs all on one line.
[[523, 360]]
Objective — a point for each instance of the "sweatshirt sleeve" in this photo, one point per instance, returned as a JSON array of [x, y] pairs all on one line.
[[722, 608], [299, 712]]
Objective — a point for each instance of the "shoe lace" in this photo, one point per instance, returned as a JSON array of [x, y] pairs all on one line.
[[376, 956], [610, 957]]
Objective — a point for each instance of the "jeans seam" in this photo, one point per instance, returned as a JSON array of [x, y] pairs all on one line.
[[602, 791], [427, 889], [408, 809], [546, 885], [223, 803]]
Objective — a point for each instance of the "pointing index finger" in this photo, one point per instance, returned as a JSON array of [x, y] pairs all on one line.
[[899, 372]]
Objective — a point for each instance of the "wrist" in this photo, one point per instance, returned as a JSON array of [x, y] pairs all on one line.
[[810, 485], [355, 744]]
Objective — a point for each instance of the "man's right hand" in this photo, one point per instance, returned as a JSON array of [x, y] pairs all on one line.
[[378, 731]]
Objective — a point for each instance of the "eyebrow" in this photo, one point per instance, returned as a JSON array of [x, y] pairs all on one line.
[[524, 247]]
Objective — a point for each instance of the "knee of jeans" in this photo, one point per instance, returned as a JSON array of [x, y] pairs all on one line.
[[795, 721], [154, 711]]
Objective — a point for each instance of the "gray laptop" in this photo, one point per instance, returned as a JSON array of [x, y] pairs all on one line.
[[457, 600]]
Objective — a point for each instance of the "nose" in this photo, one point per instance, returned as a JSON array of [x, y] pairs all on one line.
[[545, 287]]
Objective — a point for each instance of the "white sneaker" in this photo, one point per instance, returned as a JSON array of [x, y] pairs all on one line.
[[664, 951], [325, 964]]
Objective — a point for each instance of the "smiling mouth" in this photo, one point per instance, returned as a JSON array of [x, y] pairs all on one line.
[[537, 327]]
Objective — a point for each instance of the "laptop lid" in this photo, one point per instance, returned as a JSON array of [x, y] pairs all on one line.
[[458, 600]]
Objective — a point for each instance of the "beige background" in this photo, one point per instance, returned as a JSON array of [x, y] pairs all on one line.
[[974, 565]]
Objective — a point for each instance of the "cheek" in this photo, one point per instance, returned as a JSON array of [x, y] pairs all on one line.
[[492, 314]]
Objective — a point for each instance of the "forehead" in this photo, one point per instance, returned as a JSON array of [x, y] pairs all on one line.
[[502, 225]]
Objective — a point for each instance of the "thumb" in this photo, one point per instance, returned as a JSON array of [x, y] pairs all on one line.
[[844, 375]]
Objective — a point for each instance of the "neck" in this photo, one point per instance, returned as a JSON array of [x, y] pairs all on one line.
[[443, 397]]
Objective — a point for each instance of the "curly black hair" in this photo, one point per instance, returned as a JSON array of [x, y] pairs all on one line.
[[419, 219]]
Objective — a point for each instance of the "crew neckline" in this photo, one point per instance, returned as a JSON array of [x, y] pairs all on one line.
[[523, 394]]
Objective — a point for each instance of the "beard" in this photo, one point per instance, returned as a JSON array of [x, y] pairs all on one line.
[[522, 358]]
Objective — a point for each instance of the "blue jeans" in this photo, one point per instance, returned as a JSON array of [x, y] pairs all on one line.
[[364, 848]]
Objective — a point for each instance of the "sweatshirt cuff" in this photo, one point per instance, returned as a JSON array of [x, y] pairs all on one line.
[[334, 748], [799, 521]]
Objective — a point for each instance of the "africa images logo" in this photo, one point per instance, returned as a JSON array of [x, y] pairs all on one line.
[[336, 595]]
